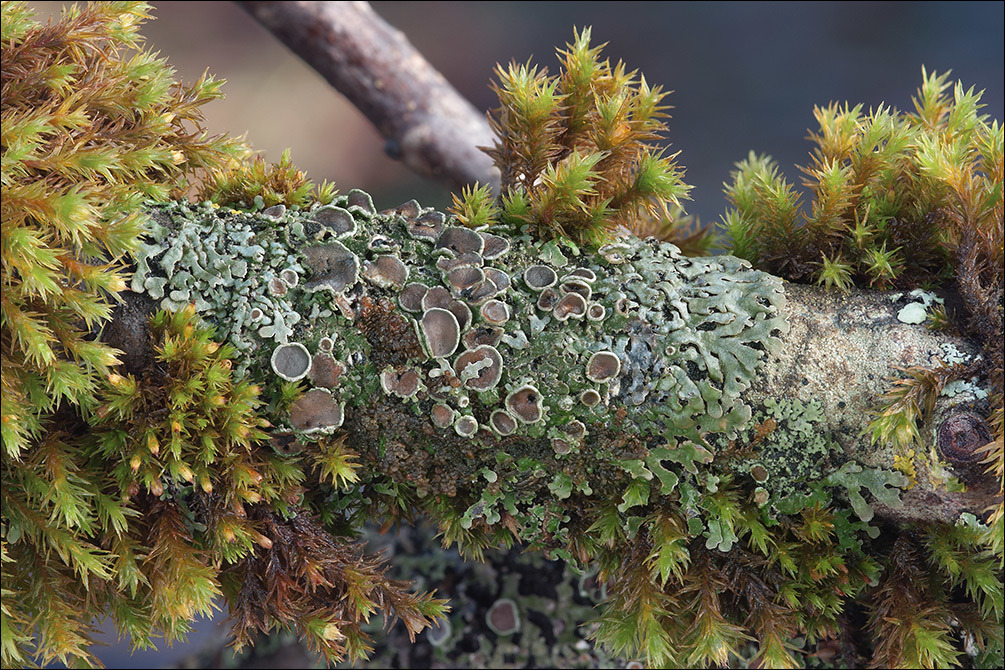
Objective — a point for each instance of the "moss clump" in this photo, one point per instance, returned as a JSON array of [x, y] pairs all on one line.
[[578, 151], [176, 500], [257, 183], [93, 126], [886, 192]]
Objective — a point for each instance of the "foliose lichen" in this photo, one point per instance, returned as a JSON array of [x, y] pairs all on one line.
[[516, 408]]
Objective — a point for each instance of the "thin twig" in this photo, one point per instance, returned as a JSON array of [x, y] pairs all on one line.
[[428, 125]]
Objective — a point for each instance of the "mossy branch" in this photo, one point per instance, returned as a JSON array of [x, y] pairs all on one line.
[[697, 429], [457, 367], [839, 352]]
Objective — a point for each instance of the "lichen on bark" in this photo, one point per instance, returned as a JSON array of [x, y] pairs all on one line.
[[522, 415]]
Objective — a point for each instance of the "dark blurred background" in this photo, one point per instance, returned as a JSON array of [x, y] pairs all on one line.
[[746, 77]]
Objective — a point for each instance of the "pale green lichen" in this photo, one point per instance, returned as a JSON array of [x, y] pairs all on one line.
[[916, 311], [218, 260], [688, 333], [964, 388], [885, 485], [660, 368], [796, 460]]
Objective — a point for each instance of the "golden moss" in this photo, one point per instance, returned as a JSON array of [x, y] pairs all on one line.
[[578, 151]]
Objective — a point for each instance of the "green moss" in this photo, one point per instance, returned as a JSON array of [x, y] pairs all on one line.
[[75, 172], [578, 152], [146, 496]]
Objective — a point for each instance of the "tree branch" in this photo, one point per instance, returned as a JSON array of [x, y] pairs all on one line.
[[428, 125], [444, 354]]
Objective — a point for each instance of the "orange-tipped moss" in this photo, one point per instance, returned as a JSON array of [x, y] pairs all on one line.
[[255, 183], [893, 195], [475, 207], [578, 151], [92, 126]]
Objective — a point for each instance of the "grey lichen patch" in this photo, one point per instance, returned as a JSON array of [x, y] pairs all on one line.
[[602, 367], [335, 219], [495, 312], [792, 451], [885, 486], [386, 271], [494, 246], [479, 368], [570, 306], [480, 344], [915, 311], [325, 370], [503, 617], [502, 422], [539, 277], [526, 404], [440, 331], [466, 426], [402, 383], [459, 240]]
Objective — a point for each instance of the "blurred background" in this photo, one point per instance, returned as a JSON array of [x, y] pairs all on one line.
[[746, 77]]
